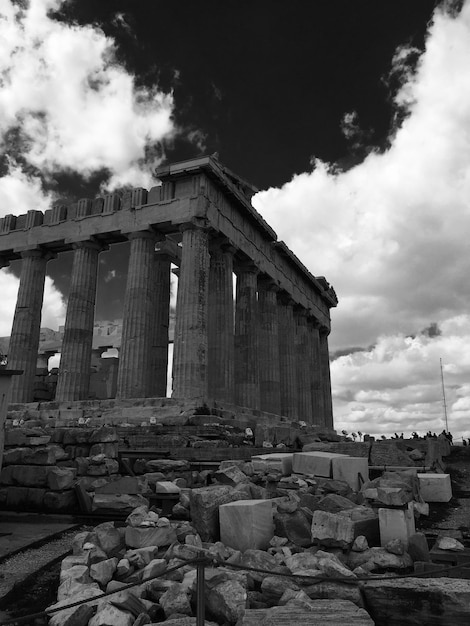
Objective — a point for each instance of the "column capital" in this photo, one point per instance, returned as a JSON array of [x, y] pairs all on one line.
[[285, 299], [268, 284], [90, 244], [196, 223], [31, 252], [221, 243]]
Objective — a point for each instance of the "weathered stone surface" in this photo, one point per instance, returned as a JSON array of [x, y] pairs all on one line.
[[60, 478], [103, 571], [274, 586], [118, 502], [314, 463], [79, 572], [396, 524], [76, 616], [435, 487], [71, 588], [281, 462], [395, 546], [204, 506], [295, 526], [25, 475], [105, 434], [109, 537], [449, 543], [167, 465], [341, 529], [393, 496], [60, 500], [130, 485], [334, 591], [246, 524], [411, 601], [110, 615], [318, 613], [349, 448], [142, 537], [333, 503], [166, 486], [388, 453], [378, 559], [352, 470], [418, 548], [176, 600], [230, 476], [261, 560], [156, 567], [227, 601]]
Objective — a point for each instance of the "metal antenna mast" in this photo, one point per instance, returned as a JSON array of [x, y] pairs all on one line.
[[444, 396]]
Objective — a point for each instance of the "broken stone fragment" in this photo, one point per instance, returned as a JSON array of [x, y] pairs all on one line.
[[231, 475], [296, 527], [227, 601], [103, 571], [142, 537], [60, 478], [79, 573], [204, 506], [78, 615], [138, 515], [175, 600], [156, 567], [117, 502], [109, 538], [60, 500], [110, 615], [378, 558], [70, 588], [449, 543], [395, 546], [360, 544]]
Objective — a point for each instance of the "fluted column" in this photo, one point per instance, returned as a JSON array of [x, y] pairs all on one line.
[[138, 324], [247, 392], [303, 366], [326, 378], [221, 323], [162, 324], [287, 357], [269, 370], [190, 348], [316, 374], [75, 361], [24, 339]]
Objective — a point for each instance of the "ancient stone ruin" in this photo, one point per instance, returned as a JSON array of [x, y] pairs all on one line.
[[265, 349]]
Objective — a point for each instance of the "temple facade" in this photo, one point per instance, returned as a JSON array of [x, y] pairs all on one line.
[[262, 344]]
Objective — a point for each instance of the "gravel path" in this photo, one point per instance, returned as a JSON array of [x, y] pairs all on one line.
[[20, 566]]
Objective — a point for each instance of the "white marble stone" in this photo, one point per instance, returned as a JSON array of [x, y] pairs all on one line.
[[435, 487], [247, 524], [314, 463], [396, 524], [348, 469]]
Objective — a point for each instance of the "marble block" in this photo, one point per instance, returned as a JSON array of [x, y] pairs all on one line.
[[348, 469], [435, 487], [396, 524], [281, 462], [314, 463], [246, 524]]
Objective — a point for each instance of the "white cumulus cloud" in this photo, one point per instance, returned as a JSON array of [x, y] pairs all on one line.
[[390, 235]]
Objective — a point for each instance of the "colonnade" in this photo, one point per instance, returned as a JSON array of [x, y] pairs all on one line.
[[259, 350]]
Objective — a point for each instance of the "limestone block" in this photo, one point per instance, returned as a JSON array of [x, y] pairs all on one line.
[[41, 440], [60, 478], [126, 484], [294, 526], [123, 503], [105, 434], [435, 487], [109, 449], [348, 469], [317, 613], [398, 602], [142, 537], [30, 456], [378, 558], [281, 462], [393, 496], [72, 561], [340, 529], [314, 463], [396, 524], [246, 524], [418, 548], [204, 507], [24, 497], [60, 500], [230, 476], [227, 601], [334, 503], [78, 615], [105, 468], [166, 486], [70, 588], [24, 475], [103, 571], [140, 557], [156, 567], [79, 573], [14, 437], [109, 537]]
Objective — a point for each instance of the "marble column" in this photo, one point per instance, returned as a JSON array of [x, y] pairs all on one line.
[[25, 332], [190, 346], [247, 392], [287, 357], [75, 361], [221, 322], [269, 370], [138, 324], [326, 378], [303, 366], [158, 383], [316, 374]]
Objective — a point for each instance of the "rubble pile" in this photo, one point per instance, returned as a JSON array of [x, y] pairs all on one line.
[[277, 544]]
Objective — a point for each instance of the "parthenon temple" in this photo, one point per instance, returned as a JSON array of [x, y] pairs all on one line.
[[251, 322]]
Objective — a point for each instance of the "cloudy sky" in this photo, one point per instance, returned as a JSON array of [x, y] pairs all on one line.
[[352, 117]]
